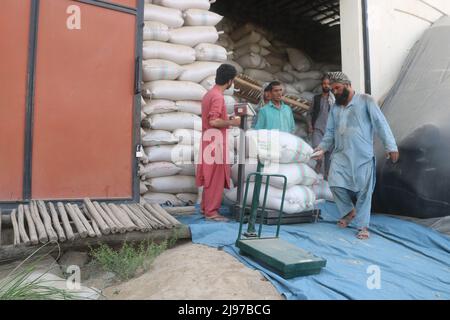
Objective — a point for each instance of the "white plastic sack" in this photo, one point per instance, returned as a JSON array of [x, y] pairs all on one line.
[[198, 17], [210, 52], [170, 153], [285, 77], [273, 69], [162, 199], [142, 188], [306, 85], [331, 68], [277, 146], [175, 120], [184, 4], [187, 169], [259, 75], [308, 96], [210, 82], [194, 107], [252, 61], [291, 90], [188, 198], [317, 75], [171, 17], [322, 191], [192, 36], [242, 31], [225, 42], [159, 169], [173, 90], [230, 102], [275, 60], [159, 106], [318, 89], [158, 137], [238, 67], [250, 48], [264, 43], [156, 69], [187, 137], [252, 37], [199, 71], [157, 31], [298, 198], [174, 184], [296, 173], [168, 51], [288, 67], [299, 60]]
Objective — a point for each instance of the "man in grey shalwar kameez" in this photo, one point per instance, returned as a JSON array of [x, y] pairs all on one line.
[[352, 123], [317, 122]]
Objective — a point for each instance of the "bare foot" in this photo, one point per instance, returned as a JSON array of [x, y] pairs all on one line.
[[363, 234], [217, 217], [345, 221]]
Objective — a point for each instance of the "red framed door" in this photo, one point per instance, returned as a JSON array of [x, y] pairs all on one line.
[[126, 3], [14, 35], [83, 104]]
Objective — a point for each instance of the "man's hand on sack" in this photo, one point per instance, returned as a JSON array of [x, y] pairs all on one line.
[[318, 154]]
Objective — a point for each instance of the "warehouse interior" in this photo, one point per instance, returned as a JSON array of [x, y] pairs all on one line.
[[313, 26]]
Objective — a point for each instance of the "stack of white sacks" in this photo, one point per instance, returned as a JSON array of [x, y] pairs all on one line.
[[180, 63], [184, 44], [257, 54], [288, 155]]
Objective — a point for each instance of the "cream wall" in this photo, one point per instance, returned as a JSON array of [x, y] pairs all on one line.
[[394, 27], [352, 42]]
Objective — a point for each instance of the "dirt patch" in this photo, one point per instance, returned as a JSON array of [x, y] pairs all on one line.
[[196, 272]]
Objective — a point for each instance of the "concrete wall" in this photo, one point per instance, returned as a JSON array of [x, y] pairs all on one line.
[[352, 42]]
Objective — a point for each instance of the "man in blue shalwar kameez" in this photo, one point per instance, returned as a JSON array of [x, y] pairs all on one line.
[[352, 123]]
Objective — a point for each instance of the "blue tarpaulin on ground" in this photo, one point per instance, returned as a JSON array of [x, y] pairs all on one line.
[[401, 261]]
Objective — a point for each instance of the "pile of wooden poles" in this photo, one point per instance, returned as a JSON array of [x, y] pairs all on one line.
[[41, 222]]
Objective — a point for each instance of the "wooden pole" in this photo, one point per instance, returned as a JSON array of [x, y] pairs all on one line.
[[181, 211], [21, 222], [153, 223], [42, 235], [157, 224], [121, 227], [31, 227], [15, 228], [94, 224], [139, 214], [141, 225], [90, 230], [65, 220], [169, 217], [161, 217], [78, 224], [47, 221], [56, 223], [105, 217], [97, 217], [123, 217]]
